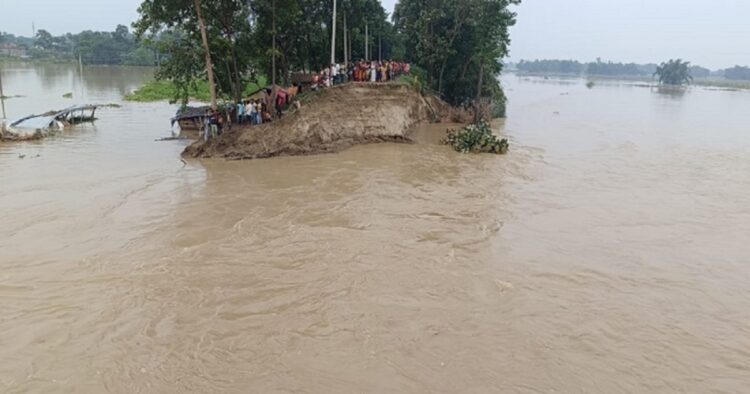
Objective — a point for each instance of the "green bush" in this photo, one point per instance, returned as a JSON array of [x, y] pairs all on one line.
[[476, 138]]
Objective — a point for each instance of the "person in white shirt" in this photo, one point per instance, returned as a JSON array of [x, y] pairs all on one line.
[[337, 73], [250, 111]]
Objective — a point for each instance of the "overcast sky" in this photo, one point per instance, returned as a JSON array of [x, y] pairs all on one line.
[[712, 33]]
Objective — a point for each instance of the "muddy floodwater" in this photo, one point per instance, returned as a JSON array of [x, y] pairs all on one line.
[[607, 253]]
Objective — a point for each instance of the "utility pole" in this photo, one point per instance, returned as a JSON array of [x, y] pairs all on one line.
[[346, 51], [333, 35], [272, 104], [380, 47], [367, 43]]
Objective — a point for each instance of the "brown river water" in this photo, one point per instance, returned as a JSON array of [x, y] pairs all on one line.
[[607, 253]]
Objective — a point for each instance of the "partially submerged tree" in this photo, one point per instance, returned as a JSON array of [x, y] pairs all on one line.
[[674, 73]]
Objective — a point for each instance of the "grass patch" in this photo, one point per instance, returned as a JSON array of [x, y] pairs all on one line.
[[162, 90]]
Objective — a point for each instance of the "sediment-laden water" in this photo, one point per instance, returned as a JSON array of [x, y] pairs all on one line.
[[606, 253]]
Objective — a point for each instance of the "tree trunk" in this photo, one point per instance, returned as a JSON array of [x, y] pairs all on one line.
[[465, 69], [480, 83], [442, 74], [237, 78], [232, 85], [209, 63]]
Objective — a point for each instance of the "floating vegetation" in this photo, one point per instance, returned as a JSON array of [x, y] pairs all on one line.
[[10, 97], [476, 138], [68, 95]]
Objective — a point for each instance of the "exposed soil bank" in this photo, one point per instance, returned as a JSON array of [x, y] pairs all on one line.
[[334, 119]]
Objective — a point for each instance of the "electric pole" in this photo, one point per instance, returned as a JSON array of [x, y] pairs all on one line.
[[273, 59], [346, 52], [333, 35]]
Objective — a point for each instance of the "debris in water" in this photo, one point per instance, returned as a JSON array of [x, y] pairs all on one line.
[[39, 126]]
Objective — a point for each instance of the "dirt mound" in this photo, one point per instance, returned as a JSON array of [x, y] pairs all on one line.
[[330, 121]]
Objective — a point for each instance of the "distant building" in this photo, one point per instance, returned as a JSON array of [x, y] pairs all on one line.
[[12, 50]]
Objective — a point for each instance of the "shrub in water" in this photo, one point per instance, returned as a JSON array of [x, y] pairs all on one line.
[[476, 138]]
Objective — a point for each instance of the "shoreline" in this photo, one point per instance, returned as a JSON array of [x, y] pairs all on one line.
[[702, 82]]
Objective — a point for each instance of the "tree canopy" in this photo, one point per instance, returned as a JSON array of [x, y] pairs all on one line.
[[460, 44], [674, 72], [737, 73], [94, 47], [241, 38]]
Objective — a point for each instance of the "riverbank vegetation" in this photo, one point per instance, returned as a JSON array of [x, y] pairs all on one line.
[[282, 38], [166, 90], [476, 138], [89, 47], [458, 44], [601, 68]]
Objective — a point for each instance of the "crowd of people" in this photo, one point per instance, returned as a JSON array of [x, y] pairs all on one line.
[[258, 111], [361, 71]]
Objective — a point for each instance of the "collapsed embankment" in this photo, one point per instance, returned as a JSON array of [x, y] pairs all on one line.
[[330, 121]]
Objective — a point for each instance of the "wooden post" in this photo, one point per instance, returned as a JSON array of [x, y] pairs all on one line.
[[367, 43]]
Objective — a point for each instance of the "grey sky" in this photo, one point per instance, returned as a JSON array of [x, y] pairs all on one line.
[[714, 33]]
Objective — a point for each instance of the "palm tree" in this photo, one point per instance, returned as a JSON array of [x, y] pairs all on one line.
[[674, 72]]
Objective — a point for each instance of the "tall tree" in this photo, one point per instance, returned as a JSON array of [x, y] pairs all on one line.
[[459, 44], [206, 49], [219, 27]]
